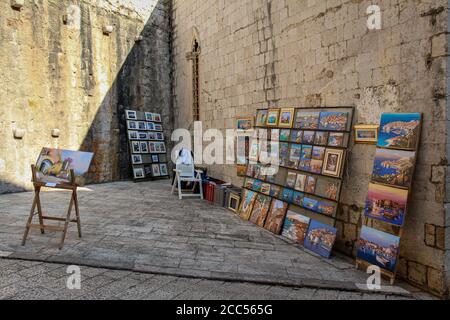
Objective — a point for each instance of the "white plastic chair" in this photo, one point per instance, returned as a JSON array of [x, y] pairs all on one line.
[[187, 173]]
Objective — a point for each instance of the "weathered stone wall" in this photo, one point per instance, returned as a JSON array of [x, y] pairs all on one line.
[[67, 74], [291, 53]]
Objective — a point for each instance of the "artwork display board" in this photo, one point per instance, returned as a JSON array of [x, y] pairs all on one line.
[[389, 191], [147, 145], [245, 127], [312, 153]]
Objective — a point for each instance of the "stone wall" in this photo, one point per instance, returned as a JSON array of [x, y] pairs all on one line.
[[290, 53], [60, 71]]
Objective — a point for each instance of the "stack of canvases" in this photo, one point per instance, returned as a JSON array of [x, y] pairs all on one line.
[[389, 189], [312, 149]]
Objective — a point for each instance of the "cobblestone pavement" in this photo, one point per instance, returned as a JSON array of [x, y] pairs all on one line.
[[25, 280], [141, 227]]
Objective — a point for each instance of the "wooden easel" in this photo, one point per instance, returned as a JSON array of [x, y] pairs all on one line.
[[37, 204]]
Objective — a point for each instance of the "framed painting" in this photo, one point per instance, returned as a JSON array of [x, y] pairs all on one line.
[[366, 134], [394, 167], [149, 116], [333, 121], [309, 137], [311, 183], [139, 173], [333, 162], [261, 117], [307, 120], [378, 248], [136, 147], [254, 151], [336, 139], [298, 198], [156, 170], [295, 227], [136, 159], [294, 156], [321, 138], [132, 125], [260, 210], [296, 136], [133, 135], [244, 123], [285, 135], [275, 217], [286, 118], [273, 117], [157, 117], [248, 200], [386, 204], [300, 183], [131, 115], [320, 238], [233, 202], [163, 169], [400, 131], [150, 126], [142, 125]]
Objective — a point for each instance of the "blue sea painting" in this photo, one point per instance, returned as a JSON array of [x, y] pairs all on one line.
[[400, 130], [311, 204], [298, 198], [394, 167], [320, 238], [378, 248], [288, 195]]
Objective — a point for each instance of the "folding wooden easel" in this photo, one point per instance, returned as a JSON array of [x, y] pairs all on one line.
[[37, 204]]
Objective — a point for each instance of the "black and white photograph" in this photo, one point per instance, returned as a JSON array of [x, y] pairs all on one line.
[[136, 146], [136, 159], [132, 125]]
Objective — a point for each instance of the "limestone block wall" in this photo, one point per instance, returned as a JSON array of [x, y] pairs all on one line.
[[291, 53], [59, 70]]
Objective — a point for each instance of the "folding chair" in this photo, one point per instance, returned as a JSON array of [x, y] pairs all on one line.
[[187, 173]]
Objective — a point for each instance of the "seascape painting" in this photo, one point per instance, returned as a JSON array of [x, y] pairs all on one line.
[[394, 167], [333, 121], [320, 238], [400, 131], [295, 227], [307, 120]]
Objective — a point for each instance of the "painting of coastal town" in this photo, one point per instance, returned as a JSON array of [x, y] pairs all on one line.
[[295, 227], [378, 248], [307, 120], [333, 121], [400, 131], [386, 204], [276, 216], [320, 238], [394, 167]]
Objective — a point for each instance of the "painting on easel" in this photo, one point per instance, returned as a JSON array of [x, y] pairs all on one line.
[[54, 165]]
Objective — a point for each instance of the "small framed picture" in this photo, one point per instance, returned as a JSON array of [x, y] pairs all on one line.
[[155, 158], [132, 125], [272, 117], [157, 117], [141, 125], [131, 115], [139, 173], [245, 123], [159, 136], [162, 147], [163, 169], [136, 159], [158, 127], [333, 162], [261, 117], [366, 134], [144, 147], [143, 136], [156, 172], [152, 146], [233, 202], [133, 135], [336, 139], [150, 126], [152, 136], [148, 116], [136, 147], [286, 118]]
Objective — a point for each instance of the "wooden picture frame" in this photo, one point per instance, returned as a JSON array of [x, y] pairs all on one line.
[[286, 118], [261, 117], [366, 134], [336, 156], [245, 123], [273, 116], [234, 202]]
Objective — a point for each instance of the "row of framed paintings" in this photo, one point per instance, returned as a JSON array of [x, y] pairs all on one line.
[[273, 215], [389, 189], [137, 159], [309, 119], [312, 184], [318, 138], [144, 126], [148, 116], [145, 147], [150, 171], [139, 135]]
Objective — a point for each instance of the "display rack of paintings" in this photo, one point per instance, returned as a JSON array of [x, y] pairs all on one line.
[[245, 129], [389, 191], [147, 145], [312, 150]]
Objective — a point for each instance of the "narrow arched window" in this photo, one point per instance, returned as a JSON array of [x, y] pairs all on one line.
[[195, 81]]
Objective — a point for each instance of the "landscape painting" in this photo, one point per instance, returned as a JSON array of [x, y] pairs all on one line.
[[276, 216], [248, 200], [260, 210], [295, 227], [54, 165], [261, 118], [333, 121], [320, 238], [378, 248], [386, 204], [394, 167], [400, 130], [307, 120]]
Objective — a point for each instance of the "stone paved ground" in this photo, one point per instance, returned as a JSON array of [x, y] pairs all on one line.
[[141, 227], [25, 280]]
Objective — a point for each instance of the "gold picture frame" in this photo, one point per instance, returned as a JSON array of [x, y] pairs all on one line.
[[273, 116], [332, 165], [366, 134], [286, 118], [234, 202], [245, 123]]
